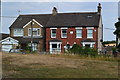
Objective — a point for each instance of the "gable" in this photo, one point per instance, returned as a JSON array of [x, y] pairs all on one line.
[[35, 24], [9, 40]]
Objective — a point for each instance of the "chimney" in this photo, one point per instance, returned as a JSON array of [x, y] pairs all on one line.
[[99, 8], [54, 11]]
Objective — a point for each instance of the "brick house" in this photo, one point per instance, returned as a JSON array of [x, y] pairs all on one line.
[[54, 32], [28, 30], [66, 29]]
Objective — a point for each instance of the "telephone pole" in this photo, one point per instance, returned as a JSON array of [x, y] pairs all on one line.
[[31, 35]]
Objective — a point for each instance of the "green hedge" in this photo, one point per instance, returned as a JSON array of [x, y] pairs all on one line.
[[76, 49]]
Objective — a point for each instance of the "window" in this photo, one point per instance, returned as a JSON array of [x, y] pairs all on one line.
[[53, 33], [18, 32], [35, 32], [78, 33], [87, 45], [64, 33], [89, 33]]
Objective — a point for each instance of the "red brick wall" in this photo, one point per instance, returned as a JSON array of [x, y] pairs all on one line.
[[71, 38]]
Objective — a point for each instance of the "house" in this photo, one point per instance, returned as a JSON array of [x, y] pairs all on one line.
[[63, 30], [27, 29], [57, 31], [7, 43]]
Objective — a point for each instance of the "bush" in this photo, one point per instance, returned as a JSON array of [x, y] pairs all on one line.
[[76, 49]]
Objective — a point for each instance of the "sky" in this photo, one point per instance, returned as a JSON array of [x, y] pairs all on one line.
[[109, 12]]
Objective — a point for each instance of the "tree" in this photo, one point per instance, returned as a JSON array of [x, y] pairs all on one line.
[[117, 31]]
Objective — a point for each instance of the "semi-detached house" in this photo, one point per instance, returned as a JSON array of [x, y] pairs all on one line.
[[57, 31]]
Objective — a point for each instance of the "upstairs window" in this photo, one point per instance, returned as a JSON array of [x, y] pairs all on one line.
[[78, 33], [53, 33], [34, 32], [64, 33], [89, 33], [18, 32]]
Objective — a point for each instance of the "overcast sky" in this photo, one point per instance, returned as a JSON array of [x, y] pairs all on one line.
[[109, 12]]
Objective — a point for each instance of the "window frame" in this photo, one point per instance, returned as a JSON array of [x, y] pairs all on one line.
[[79, 33], [62, 32], [15, 33], [52, 33], [38, 32], [89, 33]]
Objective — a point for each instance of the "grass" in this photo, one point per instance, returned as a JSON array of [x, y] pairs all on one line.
[[57, 66]]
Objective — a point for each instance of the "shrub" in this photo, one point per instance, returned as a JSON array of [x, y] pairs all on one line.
[[76, 49]]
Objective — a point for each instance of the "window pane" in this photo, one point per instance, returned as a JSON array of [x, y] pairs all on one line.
[[38, 31], [29, 31], [64, 33], [18, 32], [35, 31], [54, 45], [89, 33], [53, 34], [79, 33]]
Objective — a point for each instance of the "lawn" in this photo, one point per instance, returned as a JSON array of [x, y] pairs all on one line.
[[56, 66]]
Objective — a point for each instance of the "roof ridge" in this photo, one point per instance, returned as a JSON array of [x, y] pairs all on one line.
[[57, 13], [33, 14]]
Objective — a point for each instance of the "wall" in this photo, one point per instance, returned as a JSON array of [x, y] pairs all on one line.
[[71, 38]]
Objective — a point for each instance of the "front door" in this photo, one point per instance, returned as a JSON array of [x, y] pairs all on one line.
[[55, 47]]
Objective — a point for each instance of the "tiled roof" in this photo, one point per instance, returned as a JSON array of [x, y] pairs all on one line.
[[60, 19]]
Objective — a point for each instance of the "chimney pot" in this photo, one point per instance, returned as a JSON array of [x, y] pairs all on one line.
[[54, 11], [99, 8]]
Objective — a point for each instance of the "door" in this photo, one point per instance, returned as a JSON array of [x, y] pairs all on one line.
[[6, 48]]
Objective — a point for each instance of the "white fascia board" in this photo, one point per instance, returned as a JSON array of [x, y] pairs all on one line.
[[55, 42], [78, 28], [34, 21], [9, 38], [53, 28], [89, 27], [37, 23], [88, 42], [27, 24], [64, 28]]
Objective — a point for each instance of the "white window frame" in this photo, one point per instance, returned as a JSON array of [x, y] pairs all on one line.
[[90, 43], [51, 32], [16, 32], [37, 32], [62, 33], [58, 43], [79, 33], [89, 33]]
